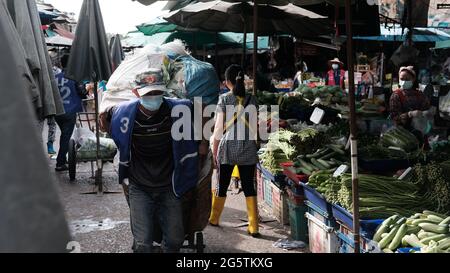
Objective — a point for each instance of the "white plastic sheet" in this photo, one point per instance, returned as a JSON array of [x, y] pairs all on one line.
[[122, 81]]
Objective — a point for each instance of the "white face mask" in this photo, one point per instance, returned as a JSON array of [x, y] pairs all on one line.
[[406, 85], [335, 66]]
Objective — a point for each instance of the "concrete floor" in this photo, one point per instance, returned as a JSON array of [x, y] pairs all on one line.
[[100, 224]]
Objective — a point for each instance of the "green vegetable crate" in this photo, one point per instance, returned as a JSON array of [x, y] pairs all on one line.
[[298, 221]]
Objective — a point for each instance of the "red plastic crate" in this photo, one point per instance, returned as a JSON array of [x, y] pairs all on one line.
[[297, 178], [296, 199]]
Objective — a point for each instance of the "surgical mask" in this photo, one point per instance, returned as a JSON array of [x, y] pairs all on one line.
[[335, 66], [152, 103], [406, 85]]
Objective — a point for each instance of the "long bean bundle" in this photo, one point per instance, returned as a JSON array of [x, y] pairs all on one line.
[[380, 196], [434, 181]]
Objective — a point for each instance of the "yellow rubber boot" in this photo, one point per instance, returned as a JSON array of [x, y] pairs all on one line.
[[236, 173], [218, 204], [253, 217]]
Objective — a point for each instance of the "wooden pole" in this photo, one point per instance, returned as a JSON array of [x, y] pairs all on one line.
[[410, 22], [244, 45], [353, 128]]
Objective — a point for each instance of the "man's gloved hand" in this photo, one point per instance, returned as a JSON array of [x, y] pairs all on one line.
[[415, 114]]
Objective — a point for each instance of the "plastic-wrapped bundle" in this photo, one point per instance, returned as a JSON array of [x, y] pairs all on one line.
[[185, 75], [122, 81], [192, 78], [86, 144]]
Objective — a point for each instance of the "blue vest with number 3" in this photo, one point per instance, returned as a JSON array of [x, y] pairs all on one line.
[[185, 152]]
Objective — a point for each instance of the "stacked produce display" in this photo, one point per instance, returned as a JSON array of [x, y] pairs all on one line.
[[401, 181], [327, 94]]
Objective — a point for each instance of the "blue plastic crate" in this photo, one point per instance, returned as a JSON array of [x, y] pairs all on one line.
[[407, 249], [324, 216], [368, 227], [295, 187], [317, 199], [348, 244], [277, 178]]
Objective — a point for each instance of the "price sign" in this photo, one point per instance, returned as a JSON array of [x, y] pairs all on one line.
[[341, 170]]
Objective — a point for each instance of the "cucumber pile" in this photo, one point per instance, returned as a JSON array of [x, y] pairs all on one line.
[[428, 230], [328, 158]]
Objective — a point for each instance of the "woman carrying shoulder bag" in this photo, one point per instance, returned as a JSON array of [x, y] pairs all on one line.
[[233, 147]]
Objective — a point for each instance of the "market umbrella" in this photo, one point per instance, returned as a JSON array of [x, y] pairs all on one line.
[[443, 44], [157, 25], [171, 5], [263, 19], [174, 5], [58, 41], [396, 34], [23, 67], [32, 217], [202, 38], [90, 56], [138, 39], [90, 60], [117, 54], [26, 19], [223, 16]]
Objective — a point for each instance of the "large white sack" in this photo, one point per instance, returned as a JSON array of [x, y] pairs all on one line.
[[122, 81]]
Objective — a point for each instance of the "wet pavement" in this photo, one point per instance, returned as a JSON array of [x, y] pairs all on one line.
[[101, 224]]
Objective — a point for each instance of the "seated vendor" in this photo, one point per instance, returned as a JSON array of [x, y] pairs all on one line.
[[408, 103]]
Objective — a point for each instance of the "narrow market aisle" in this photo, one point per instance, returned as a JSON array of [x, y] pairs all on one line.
[[232, 235], [102, 224]]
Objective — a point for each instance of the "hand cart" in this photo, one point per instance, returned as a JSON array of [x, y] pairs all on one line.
[[196, 210], [84, 135]]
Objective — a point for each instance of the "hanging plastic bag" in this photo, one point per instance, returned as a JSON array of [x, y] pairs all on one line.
[[87, 145], [444, 106], [422, 124]]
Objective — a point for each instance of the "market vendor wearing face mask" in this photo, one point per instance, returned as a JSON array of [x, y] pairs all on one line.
[[336, 75], [408, 104], [158, 168]]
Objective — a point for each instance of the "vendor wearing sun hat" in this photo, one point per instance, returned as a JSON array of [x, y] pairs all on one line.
[[157, 168], [336, 74]]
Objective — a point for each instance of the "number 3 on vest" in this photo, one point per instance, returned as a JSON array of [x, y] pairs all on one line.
[[125, 124]]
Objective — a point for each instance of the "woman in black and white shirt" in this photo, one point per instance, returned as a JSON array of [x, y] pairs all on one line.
[[235, 144]]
